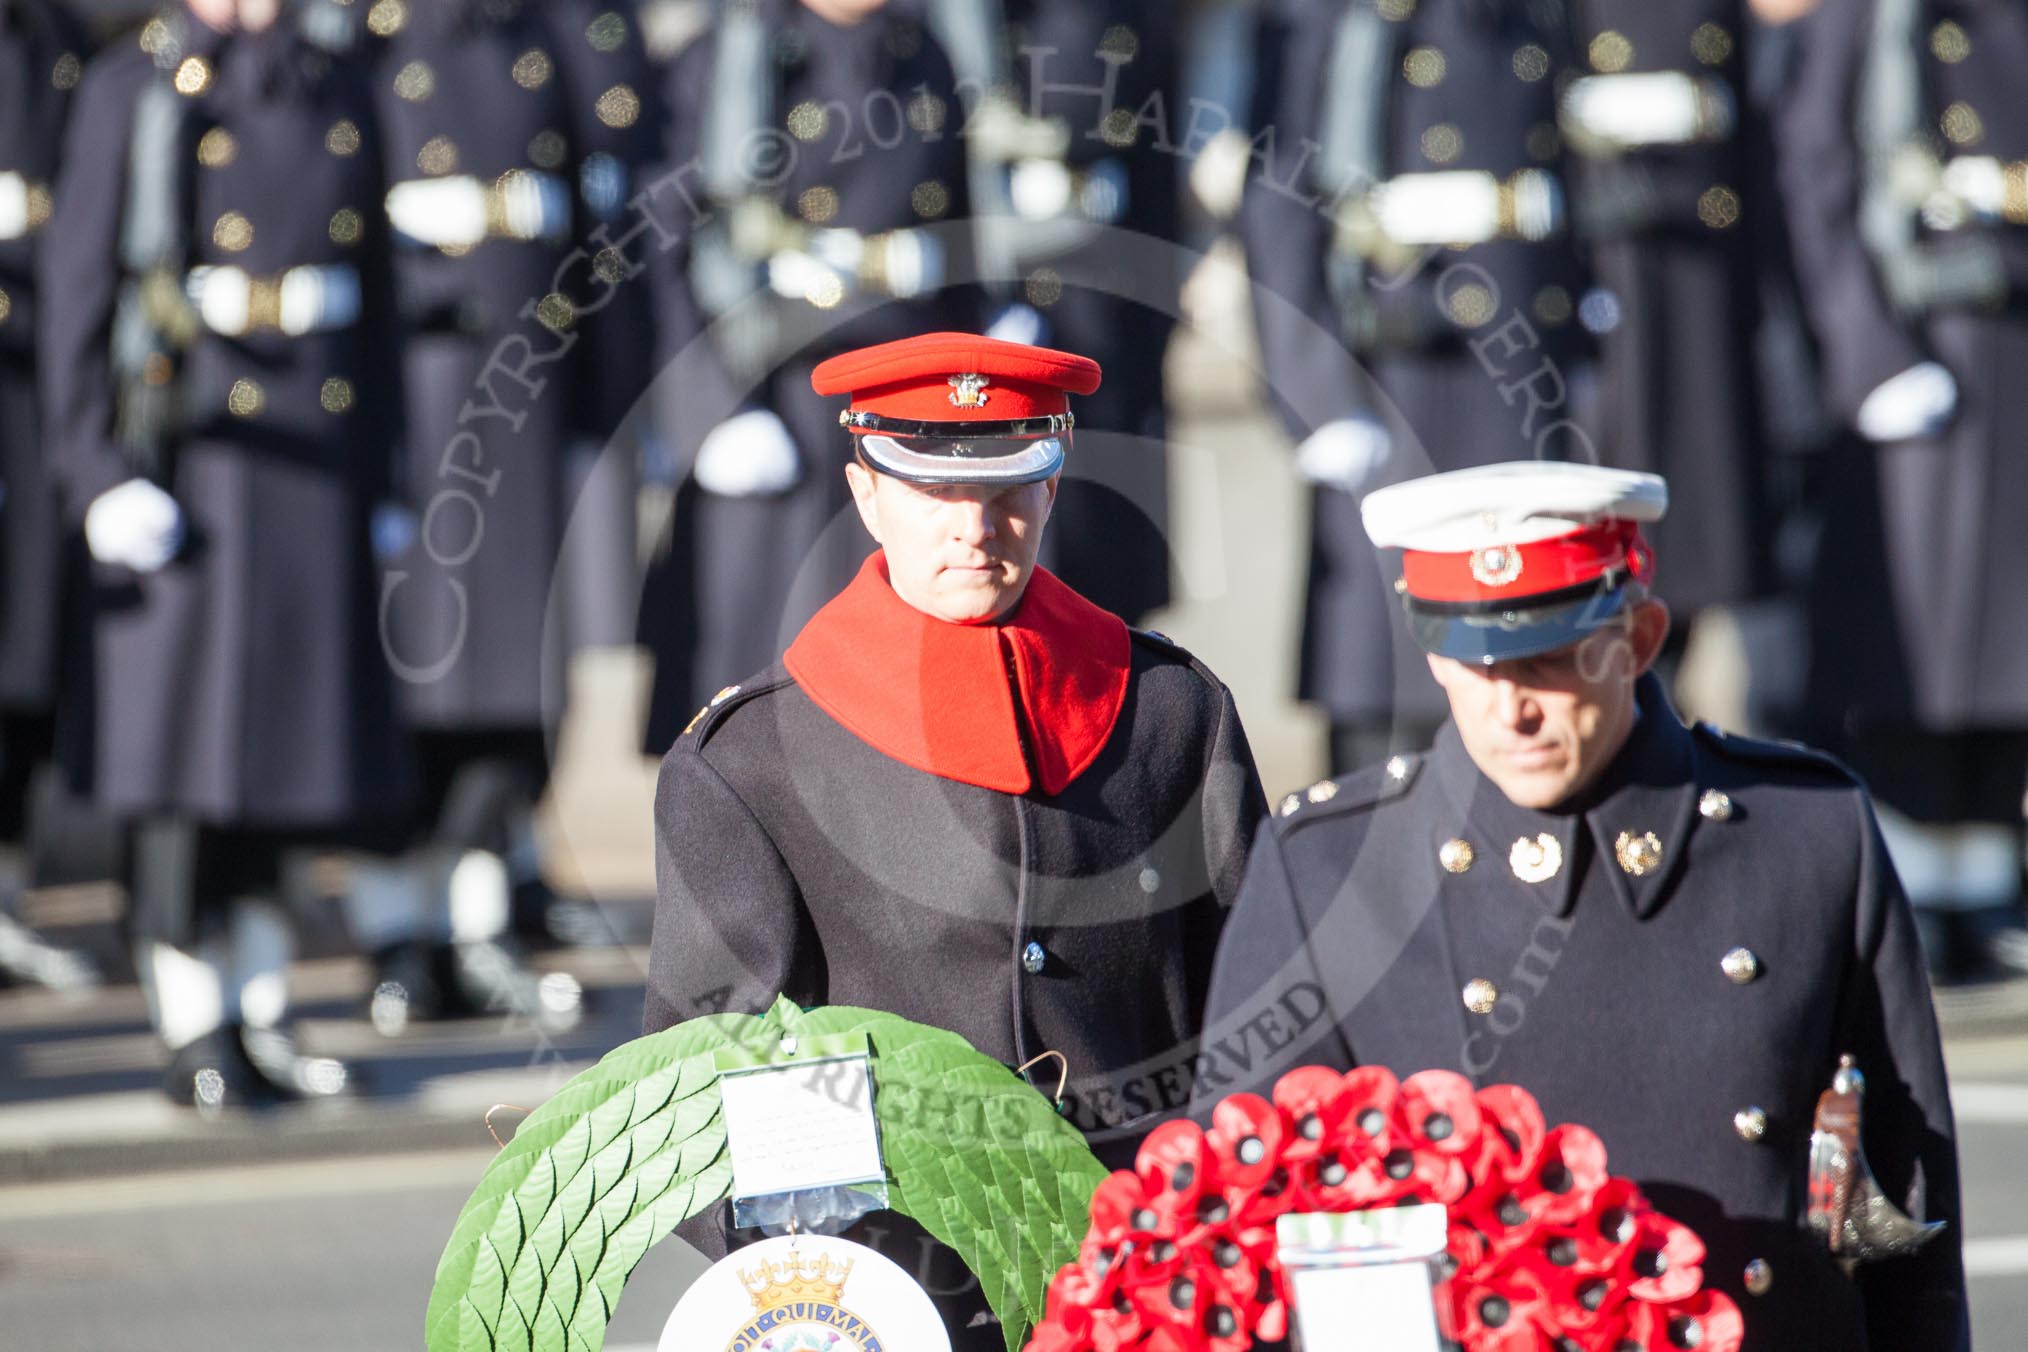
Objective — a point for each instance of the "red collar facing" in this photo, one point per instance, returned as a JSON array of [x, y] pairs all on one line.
[[937, 696]]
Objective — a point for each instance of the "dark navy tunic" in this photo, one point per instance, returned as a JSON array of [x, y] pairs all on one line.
[[1376, 899]]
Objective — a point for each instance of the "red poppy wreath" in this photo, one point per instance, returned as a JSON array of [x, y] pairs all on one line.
[[1547, 1252]]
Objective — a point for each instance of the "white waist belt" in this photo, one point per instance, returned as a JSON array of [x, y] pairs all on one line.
[[1047, 190], [460, 212], [1467, 206], [1656, 108], [902, 264], [1975, 190], [24, 204], [312, 299]]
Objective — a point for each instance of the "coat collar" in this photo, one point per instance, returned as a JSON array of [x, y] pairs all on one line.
[[1650, 789], [1026, 702]]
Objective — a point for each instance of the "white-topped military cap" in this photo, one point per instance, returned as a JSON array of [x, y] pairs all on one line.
[[1511, 560], [1515, 503]]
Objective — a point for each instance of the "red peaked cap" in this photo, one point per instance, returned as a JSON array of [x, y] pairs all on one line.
[[917, 379]]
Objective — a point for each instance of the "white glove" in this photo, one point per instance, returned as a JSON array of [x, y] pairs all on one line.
[[1456, 207], [1654, 108], [1018, 323], [1916, 403], [135, 525], [748, 455], [1347, 454]]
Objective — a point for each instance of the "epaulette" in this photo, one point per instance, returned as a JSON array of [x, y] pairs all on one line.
[[1768, 751], [1160, 642], [708, 719], [1355, 792], [1155, 641]]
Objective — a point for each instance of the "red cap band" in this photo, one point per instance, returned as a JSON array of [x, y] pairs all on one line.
[[957, 377], [1515, 573]]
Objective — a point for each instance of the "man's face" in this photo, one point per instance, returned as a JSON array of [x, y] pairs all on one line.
[[254, 16], [957, 552], [844, 13], [1544, 728]]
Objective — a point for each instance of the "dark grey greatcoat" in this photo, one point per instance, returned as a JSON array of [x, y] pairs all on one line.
[[1465, 86], [1917, 616], [497, 359], [859, 131], [1672, 232], [41, 60], [792, 858], [244, 683], [1613, 1009], [1112, 299]]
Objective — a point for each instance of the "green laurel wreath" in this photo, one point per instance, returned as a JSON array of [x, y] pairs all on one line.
[[636, 1144]]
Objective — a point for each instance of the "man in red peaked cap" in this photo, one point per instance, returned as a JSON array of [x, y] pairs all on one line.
[[1668, 934], [965, 795]]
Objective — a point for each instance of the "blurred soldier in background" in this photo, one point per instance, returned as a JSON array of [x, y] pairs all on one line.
[[1060, 157], [1905, 170], [490, 110], [221, 405], [1663, 136], [41, 60], [1407, 216], [815, 199]]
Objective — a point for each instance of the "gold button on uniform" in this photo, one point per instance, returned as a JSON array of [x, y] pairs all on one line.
[[618, 106], [1711, 44], [335, 395], [1610, 52], [1537, 860], [439, 155], [343, 138], [346, 227], [1442, 143], [246, 398], [1640, 854], [1740, 966], [6, 307], [193, 77], [1455, 855], [1750, 1123], [1715, 805], [1481, 995], [387, 17], [232, 232], [1424, 67], [415, 81], [817, 205], [532, 68], [1759, 1277], [216, 148]]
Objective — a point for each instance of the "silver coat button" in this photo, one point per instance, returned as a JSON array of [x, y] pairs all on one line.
[[1033, 957], [1759, 1277], [1750, 1123], [1740, 966], [1715, 805]]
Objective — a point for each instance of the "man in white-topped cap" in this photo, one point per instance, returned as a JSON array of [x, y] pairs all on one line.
[[1671, 935]]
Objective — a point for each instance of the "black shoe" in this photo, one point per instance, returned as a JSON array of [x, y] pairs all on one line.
[[492, 975], [294, 1077], [214, 1073], [416, 982]]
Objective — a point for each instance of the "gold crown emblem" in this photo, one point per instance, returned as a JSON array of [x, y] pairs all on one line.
[[810, 1278]]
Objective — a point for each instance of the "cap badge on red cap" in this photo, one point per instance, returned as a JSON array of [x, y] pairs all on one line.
[[969, 390], [1496, 565]]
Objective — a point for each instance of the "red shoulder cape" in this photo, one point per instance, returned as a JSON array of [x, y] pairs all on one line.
[[938, 696]]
